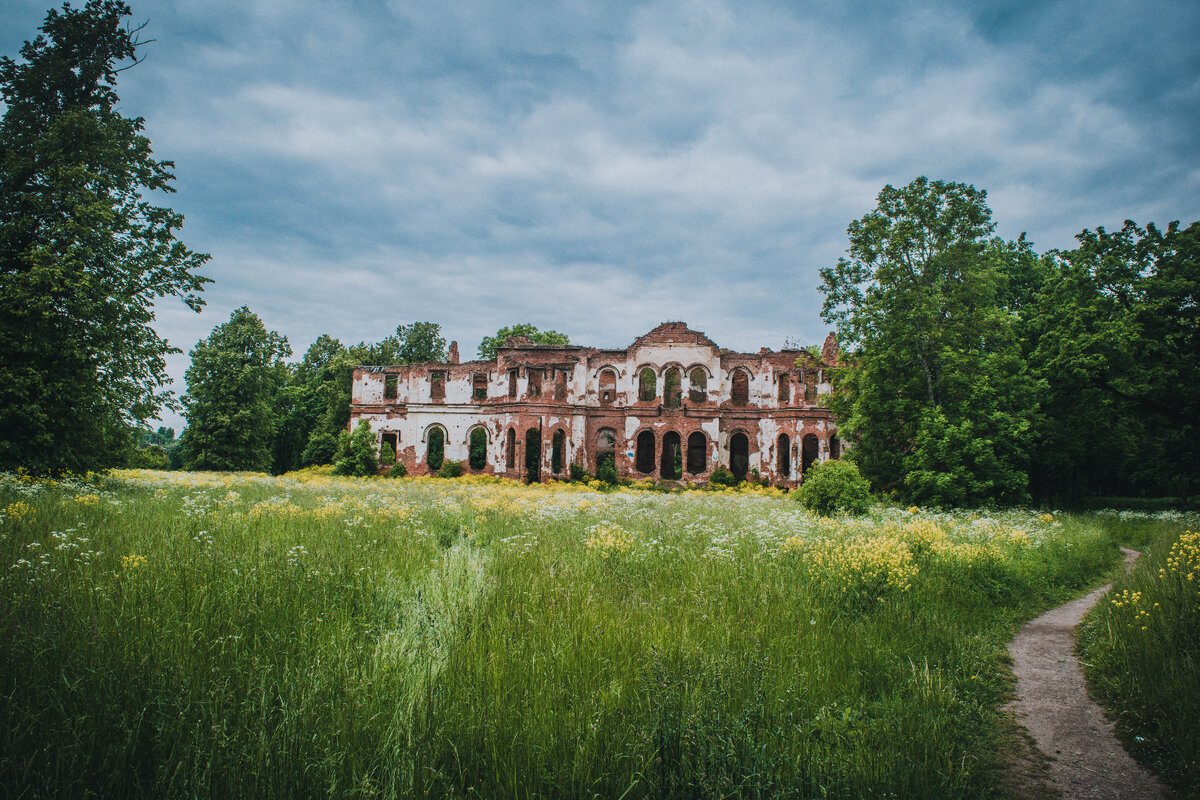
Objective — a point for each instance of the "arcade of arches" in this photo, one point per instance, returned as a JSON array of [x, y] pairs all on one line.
[[671, 406]]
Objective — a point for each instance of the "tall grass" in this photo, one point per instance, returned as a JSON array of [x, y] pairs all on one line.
[[202, 635], [1141, 647]]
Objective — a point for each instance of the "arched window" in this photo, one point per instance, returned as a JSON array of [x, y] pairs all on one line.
[[435, 448], [533, 455], [672, 389], [647, 385], [698, 391], [606, 448], [608, 387], [697, 455], [670, 467], [740, 395], [558, 444], [783, 456], [510, 450], [644, 456], [477, 449], [810, 449], [739, 455]]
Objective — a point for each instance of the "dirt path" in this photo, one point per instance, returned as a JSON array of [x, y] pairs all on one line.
[[1087, 761]]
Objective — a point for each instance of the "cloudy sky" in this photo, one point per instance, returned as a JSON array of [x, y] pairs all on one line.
[[597, 168]]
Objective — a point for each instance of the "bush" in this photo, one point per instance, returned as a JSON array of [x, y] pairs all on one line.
[[322, 448], [360, 456], [835, 486], [720, 476], [398, 470], [387, 454], [579, 474], [606, 471], [450, 469]]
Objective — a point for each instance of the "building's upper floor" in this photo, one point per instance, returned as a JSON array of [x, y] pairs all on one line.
[[670, 367]]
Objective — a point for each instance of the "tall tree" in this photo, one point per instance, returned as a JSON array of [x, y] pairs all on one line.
[[83, 253], [1115, 336], [935, 396], [487, 347], [233, 384]]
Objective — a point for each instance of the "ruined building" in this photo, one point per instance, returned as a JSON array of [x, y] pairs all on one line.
[[671, 404]]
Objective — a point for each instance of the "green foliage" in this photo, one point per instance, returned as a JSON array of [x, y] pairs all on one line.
[[322, 448], [360, 459], [1141, 645], [387, 453], [678, 463], [84, 254], [721, 476], [1112, 333], [343, 445], [934, 354], [450, 469], [435, 451], [834, 486], [152, 456], [233, 382], [398, 470], [420, 342], [579, 473], [477, 449], [606, 471], [487, 347]]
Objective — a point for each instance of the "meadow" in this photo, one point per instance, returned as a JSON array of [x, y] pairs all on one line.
[[237, 635]]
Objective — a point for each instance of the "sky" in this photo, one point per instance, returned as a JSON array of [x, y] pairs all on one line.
[[599, 167]]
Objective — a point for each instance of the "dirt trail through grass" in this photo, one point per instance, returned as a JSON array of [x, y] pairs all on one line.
[[1087, 761]]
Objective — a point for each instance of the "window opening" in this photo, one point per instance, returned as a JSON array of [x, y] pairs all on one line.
[[560, 385], [435, 449], [389, 387], [477, 449], [698, 392], [512, 384], [479, 386], [783, 456], [644, 455], [535, 382], [809, 451], [740, 394], [557, 446], [785, 388], [697, 456], [437, 385], [671, 465], [608, 387], [393, 439], [672, 391], [739, 455], [647, 385], [510, 450], [606, 448], [533, 455]]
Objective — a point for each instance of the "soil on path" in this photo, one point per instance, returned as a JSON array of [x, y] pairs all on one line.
[[1085, 758]]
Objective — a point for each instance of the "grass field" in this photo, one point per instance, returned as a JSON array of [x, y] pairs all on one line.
[[172, 634], [1141, 646]]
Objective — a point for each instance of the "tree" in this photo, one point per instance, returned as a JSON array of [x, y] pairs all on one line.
[[934, 361], [489, 345], [233, 382], [1114, 335], [359, 460], [419, 342], [83, 253]]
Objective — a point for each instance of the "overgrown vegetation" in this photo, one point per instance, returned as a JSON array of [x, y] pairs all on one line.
[[835, 486], [1141, 647], [171, 634]]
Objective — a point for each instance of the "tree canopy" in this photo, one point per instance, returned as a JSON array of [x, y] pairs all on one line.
[[83, 253], [487, 347], [231, 403], [935, 395]]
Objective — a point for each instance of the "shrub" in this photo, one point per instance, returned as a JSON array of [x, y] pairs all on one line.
[[387, 453], [606, 471], [720, 476], [450, 469], [360, 456], [322, 448], [835, 486], [398, 470], [579, 474]]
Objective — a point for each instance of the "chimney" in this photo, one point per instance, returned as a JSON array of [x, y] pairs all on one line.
[[453, 359]]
